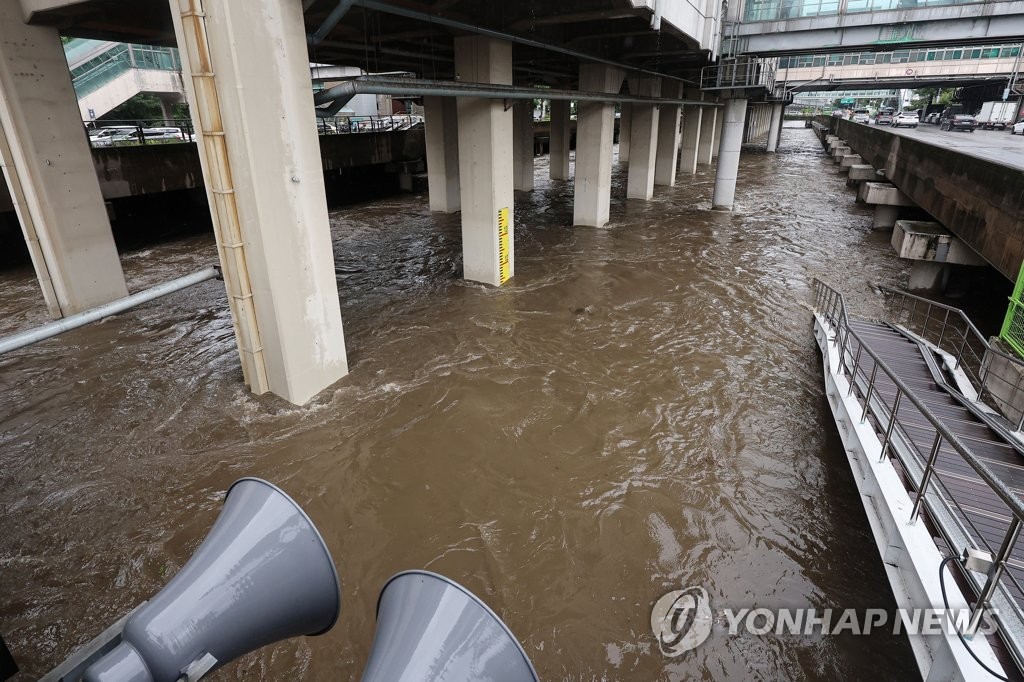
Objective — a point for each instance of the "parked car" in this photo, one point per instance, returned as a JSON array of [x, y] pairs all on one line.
[[101, 137], [1017, 127], [905, 118], [150, 135], [884, 118], [933, 117], [959, 122], [861, 116]]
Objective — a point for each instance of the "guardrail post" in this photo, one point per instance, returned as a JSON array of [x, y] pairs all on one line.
[[942, 331], [867, 398], [926, 478], [994, 573], [856, 364], [892, 423]]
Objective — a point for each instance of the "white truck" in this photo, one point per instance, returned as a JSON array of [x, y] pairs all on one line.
[[996, 115]]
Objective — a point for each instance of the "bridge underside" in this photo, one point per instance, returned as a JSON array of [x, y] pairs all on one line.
[[968, 24], [382, 41]]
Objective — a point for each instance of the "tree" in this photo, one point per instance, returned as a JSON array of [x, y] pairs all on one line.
[[141, 107]]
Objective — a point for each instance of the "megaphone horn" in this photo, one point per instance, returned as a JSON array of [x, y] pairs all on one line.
[[262, 574], [431, 629]]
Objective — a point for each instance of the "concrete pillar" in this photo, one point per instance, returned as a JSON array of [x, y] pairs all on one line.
[[690, 138], [775, 129], [734, 113], [625, 125], [522, 143], [709, 121], [251, 107], [485, 163], [441, 134], [594, 126], [668, 142], [928, 276], [52, 181], [167, 102], [561, 134], [643, 145]]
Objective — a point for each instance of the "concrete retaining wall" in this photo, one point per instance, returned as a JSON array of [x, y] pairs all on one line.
[[981, 202], [154, 168]]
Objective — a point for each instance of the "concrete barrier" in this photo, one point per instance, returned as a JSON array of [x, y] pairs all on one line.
[[979, 201]]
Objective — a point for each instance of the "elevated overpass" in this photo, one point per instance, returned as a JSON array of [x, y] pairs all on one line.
[[788, 27], [950, 67]]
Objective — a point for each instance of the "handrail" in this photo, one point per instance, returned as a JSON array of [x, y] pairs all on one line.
[[832, 305], [1005, 494], [1005, 400]]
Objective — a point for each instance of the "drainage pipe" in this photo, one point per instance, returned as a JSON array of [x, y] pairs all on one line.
[[339, 95], [83, 318], [511, 37]]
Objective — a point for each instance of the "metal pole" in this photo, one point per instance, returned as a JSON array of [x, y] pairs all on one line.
[[892, 423], [994, 574], [856, 364], [83, 318], [867, 398], [926, 479]]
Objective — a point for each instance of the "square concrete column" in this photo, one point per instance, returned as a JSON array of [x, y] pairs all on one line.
[[441, 134], [692, 117], [522, 143], [561, 134], [643, 142], [485, 163], [709, 121], [668, 141], [251, 105], [49, 170], [735, 112], [595, 123], [775, 128], [625, 129]]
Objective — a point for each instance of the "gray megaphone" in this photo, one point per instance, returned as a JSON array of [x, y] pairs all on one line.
[[431, 629], [262, 574]]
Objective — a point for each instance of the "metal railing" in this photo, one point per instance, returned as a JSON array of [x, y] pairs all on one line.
[[923, 481], [736, 73], [953, 332], [132, 132], [367, 124]]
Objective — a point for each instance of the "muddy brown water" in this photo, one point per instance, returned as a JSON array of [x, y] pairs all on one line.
[[641, 409]]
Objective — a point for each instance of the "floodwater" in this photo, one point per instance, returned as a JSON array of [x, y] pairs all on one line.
[[639, 410]]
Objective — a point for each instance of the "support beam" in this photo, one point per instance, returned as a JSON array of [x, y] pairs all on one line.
[[522, 144], [643, 142], [729, 154], [775, 128], [561, 134], [709, 121], [716, 143], [50, 173], [625, 130], [485, 163], [692, 118], [251, 107], [441, 134], [595, 123], [668, 142]]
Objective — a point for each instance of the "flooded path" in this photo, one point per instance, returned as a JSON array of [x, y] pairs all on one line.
[[640, 409]]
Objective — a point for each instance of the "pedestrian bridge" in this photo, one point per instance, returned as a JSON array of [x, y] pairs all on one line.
[[786, 27], [904, 68], [106, 74]]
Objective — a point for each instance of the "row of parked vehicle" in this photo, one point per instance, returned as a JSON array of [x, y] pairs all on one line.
[[992, 115], [117, 135]]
